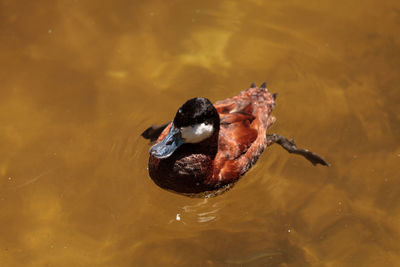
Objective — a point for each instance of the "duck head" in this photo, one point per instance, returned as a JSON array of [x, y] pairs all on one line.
[[194, 122]]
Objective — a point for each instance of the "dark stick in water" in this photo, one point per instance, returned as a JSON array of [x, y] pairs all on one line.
[[291, 147], [154, 131]]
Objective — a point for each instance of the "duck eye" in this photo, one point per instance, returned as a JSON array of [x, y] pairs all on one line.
[[169, 142]]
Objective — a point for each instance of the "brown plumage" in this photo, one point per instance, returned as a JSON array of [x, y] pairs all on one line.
[[245, 119]]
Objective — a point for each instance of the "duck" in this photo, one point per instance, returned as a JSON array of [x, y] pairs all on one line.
[[208, 147]]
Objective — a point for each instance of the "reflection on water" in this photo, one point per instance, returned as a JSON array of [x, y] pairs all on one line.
[[201, 212], [80, 80]]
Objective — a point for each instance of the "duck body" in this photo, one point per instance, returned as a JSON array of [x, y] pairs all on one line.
[[208, 147]]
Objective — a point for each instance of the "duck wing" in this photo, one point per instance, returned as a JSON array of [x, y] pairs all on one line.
[[236, 134], [245, 119]]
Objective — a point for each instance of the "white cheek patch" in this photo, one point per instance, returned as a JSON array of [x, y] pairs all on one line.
[[197, 133]]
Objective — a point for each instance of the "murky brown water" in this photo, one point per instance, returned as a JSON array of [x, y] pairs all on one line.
[[80, 80]]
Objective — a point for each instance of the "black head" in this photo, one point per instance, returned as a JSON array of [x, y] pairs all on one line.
[[194, 122], [196, 111]]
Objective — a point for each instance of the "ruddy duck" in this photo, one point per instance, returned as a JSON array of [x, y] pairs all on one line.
[[209, 147]]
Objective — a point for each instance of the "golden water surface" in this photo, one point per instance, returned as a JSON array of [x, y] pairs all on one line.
[[80, 80]]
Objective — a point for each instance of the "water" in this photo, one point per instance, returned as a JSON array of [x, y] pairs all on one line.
[[80, 80]]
